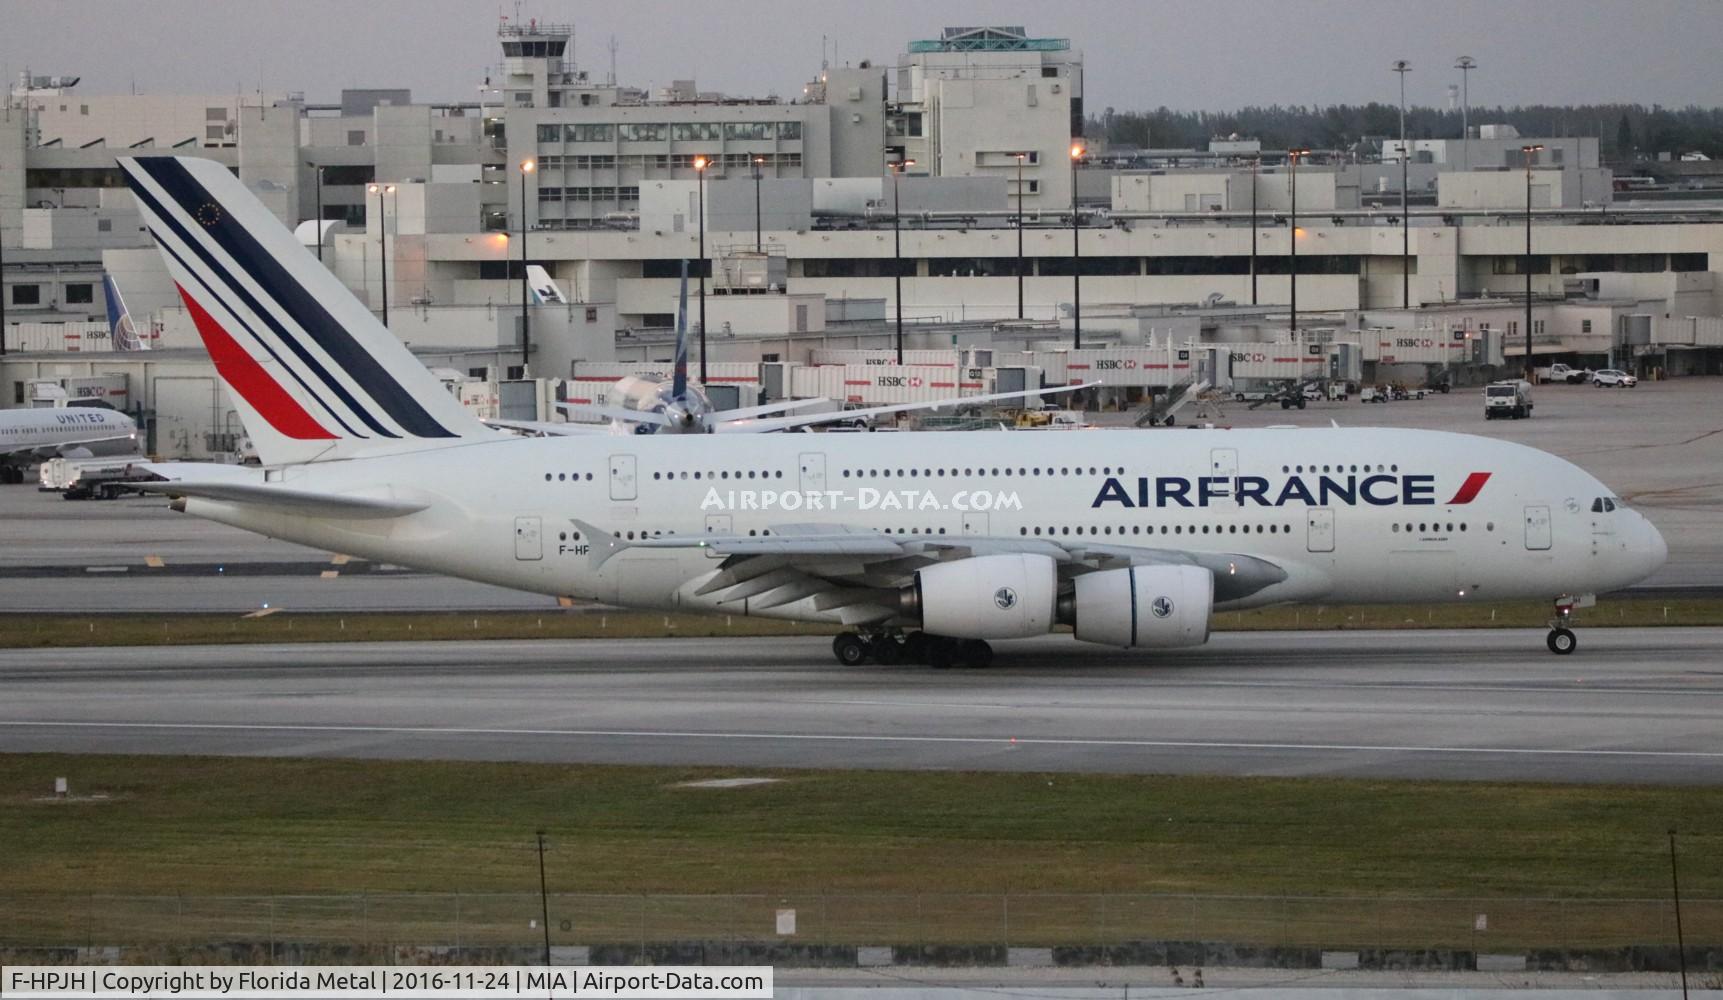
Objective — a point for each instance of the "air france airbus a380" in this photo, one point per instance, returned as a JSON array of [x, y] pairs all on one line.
[[924, 545]]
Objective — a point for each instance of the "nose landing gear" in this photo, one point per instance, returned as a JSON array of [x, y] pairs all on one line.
[[1561, 640]]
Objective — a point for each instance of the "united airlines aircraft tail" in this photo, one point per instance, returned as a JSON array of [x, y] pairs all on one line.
[[314, 375], [120, 326]]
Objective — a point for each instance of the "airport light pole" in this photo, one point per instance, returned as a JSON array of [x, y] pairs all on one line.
[[1076, 256], [759, 243], [1292, 156], [1255, 179], [317, 173], [897, 170], [700, 165], [383, 242], [3, 292], [1680, 937], [543, 899], [1465, 64], [526, 168], [1402, 67], [1020, 158], [1528, 152]]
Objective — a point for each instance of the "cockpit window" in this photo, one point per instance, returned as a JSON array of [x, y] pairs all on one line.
[[1608, 503], [1603, 505], [1597, 505]]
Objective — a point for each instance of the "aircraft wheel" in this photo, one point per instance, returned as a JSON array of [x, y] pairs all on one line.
[[941, 652], [1562, 641], [916, 646], [886, 651], [850, 650], [975, 653]]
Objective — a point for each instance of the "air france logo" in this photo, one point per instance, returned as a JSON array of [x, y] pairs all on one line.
[[1161, 607], [1382, 490], [1006, 598]]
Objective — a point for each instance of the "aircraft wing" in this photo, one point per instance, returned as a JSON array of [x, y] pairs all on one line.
[[858, 571], [806, 420], [750, 412], [59, 447], [621, 413], [545, 428]]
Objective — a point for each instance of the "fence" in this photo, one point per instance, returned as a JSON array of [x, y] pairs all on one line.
[[469, 920]]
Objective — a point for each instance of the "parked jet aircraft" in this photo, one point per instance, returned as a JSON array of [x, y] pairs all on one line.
[[28, 436], [921, 545], [678, 405]]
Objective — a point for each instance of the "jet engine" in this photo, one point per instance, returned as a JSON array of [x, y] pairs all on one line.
[[986, 597], [1145, 607]]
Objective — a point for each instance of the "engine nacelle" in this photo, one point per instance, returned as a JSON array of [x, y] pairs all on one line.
[[987, 597], [1146, 607]]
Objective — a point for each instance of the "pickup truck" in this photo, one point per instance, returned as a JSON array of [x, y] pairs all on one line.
[[1559, 372]]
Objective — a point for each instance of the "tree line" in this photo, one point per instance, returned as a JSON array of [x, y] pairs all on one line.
[[1623, 131]]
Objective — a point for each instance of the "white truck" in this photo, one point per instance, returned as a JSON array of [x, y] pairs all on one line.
[[1559, 372], [92, 478], [1509, 398]]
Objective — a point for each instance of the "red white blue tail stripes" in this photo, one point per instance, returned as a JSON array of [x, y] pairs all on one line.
[[303, 356]]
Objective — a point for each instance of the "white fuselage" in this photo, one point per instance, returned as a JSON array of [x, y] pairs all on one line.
[[47, 431], [1362, 515]]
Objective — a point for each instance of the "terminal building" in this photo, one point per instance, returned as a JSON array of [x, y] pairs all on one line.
[[956, 177]]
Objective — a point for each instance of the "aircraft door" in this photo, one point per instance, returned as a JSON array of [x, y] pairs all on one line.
[[717, 524], [813, 475], [1320, 529], [1223, 463], [529, 539], [975, 523], [1538, 528], [623, 485]]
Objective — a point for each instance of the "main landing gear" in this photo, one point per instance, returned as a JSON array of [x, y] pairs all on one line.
[[891, 648], [1561, 640]]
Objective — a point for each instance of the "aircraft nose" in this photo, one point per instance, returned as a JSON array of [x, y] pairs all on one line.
[[1656, 549]]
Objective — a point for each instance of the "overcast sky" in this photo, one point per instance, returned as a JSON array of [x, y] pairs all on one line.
[[1186, 54]]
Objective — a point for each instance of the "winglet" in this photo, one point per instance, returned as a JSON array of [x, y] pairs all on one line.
[[604, 544]]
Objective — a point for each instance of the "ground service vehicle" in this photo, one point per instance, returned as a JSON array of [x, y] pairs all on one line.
[[1511, 398], [92, 478]]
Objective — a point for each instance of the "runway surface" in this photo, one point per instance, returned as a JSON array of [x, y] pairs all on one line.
[[1633, 705]]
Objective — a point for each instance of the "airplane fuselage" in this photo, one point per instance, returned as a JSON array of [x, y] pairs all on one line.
[[1352, 515], [28, 434]]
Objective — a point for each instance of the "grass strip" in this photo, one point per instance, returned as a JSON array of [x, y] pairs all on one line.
[[152, 848]]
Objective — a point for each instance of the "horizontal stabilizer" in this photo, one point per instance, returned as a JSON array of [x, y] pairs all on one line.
[[288, 500]]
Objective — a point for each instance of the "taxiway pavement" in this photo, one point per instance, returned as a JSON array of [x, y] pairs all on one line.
[[1633, 705]]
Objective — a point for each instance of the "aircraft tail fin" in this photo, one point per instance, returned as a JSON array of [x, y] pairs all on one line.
[[120, 326], [314, 376]]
